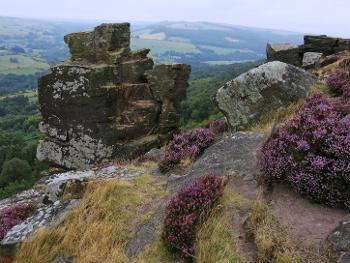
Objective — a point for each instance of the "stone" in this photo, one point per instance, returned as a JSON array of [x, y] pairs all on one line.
[[107, 102], [284, 52], [154, 155], [245, 99], [61, 259], [340, 237], [324, 44], [235, 153], [345, 258], [311, 60], [295, 55]]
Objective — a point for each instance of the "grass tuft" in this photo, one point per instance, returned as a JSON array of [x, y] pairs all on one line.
[[97, 230]]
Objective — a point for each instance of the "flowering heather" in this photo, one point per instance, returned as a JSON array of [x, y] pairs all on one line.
[[312, 153], [12, 216], [186, 209], [190, 144], [339, 82], [218, 126]]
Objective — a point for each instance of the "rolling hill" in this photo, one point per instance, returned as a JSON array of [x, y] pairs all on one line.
[[29, 47]]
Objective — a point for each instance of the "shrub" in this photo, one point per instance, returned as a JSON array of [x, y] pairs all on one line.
[[339, 82], [218, 126], [13, 216], [312, 153], [190, 144], [186, 210], [13, 170]]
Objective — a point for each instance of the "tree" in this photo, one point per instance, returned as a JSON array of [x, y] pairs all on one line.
[[14, 170]]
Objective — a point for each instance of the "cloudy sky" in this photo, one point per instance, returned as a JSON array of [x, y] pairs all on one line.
[[309, 16]]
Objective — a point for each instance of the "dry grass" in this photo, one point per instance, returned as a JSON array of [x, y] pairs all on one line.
[[273, 242], [280, 116], [216, 241], [98, 229], [156, 252]]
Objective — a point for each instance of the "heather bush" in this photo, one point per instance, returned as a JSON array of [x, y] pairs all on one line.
[[190, 144], [312, 153], [187, 209], [339, 82], [13, 216]]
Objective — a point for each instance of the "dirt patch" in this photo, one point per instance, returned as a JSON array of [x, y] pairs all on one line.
[[309, 223]]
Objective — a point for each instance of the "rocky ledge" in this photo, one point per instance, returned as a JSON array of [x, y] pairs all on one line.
[[107, 101]]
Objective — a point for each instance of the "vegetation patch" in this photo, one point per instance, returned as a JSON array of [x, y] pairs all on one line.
[[187, 209], [273, 243], [216, 240], [186, 145], [98, 229], [13, 216]]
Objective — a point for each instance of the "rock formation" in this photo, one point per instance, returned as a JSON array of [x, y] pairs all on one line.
[[314, 46], [245, 99], [107, 101]]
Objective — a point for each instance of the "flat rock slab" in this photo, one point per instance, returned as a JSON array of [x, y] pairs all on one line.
[[50, 215], [309, 223], [53, 183], [235, 153]]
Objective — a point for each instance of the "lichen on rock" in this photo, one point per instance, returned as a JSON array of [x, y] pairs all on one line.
[[245, 99], [107, 101]]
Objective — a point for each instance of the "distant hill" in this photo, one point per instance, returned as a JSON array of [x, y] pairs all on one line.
[[202, 42], [29, 47]]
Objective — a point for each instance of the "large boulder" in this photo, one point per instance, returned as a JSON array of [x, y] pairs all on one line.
[[107, 102], [284, 52], [324, 44], [245, 99]]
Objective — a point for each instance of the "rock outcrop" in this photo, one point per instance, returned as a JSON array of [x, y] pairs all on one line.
[[284, 52], [107, 101], [301, 55], [245, 99]]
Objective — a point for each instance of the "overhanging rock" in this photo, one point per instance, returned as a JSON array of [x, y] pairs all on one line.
[[107, 101]]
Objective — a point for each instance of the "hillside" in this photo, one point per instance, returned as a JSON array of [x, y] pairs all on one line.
[[258, 174], [202, 42]]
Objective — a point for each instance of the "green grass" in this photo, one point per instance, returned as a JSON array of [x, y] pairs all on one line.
[[25, 65], [225, 51], [216, 241]]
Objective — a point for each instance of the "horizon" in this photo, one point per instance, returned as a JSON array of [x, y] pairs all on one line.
[[278, 16]]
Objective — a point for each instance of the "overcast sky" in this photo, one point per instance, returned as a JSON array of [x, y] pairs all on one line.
[[310, 16]]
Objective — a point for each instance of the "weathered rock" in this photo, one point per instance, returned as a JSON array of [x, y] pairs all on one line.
[[311, 59], [324, 44], [345, 258], [61, 259], [51, 215], [107, 101], [236, 153], [284, 52], [340, 237], [154, 154], [245, 99], [295, 55]]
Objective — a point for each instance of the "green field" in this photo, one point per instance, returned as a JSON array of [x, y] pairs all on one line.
[[159, 47], [24, 65]]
